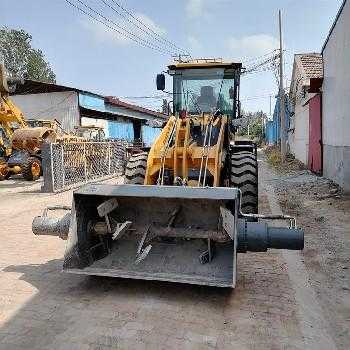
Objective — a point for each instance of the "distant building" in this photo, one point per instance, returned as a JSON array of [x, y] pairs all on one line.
[[74, 107], [336, 100], [304, 104], [272, 128]]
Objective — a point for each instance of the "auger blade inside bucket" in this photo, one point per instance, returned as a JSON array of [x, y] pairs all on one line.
[[178, 234]]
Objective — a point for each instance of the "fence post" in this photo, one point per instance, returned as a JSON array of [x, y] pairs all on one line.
[[85, 163], [62, 166], [48, 175], [109, 158]]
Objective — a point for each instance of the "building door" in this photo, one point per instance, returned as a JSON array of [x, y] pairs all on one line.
[[315, 135]]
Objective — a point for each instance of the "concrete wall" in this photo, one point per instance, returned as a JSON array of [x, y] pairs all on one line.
[[299, 138], [300, 142], [62, 106], [336, 102]]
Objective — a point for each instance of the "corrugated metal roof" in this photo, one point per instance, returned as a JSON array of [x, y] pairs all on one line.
[[37, 87], [117, 102]]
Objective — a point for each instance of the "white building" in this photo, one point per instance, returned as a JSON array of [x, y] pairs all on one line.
[[73, 107], [336, 100], [306, 67]]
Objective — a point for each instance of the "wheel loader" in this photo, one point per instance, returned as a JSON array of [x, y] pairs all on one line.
[[188, 206], [20, 145]]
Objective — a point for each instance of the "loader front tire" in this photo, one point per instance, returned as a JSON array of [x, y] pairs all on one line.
[[32, 169], [244, 175], [135, 171]]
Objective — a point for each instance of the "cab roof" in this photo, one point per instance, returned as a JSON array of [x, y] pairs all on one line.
[[204, 63]]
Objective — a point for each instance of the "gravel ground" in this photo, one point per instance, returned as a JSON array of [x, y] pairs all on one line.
[[322, 209], [271, 308]]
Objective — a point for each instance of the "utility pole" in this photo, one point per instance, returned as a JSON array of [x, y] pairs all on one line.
[[281, 95]]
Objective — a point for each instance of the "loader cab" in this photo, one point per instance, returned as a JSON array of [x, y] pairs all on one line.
[[205, 86]]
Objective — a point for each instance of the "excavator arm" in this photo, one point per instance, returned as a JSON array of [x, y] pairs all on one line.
[[20, 145], [11, 116]]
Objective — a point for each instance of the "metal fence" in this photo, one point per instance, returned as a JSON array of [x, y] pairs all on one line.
[[69, 165]]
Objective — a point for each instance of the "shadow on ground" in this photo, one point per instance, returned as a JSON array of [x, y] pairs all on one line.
[[90, 311]]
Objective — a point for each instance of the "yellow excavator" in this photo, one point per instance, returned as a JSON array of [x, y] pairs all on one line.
[[20, 145], [189, 205]]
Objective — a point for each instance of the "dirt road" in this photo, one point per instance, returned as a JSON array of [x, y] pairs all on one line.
[[276, 305]]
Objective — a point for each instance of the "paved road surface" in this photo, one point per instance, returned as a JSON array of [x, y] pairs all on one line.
[[42, 308]]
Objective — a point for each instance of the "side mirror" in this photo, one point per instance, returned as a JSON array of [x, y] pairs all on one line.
[[232, 93], [160, 81]]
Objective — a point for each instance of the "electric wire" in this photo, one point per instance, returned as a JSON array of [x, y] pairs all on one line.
[[257, 58], [147, 29], [122, 28], [131, 37]]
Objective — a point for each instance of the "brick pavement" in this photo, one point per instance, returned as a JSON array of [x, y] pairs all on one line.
[[42, 308]]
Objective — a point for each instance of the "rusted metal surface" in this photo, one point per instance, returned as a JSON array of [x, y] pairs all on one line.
[[31, 139]]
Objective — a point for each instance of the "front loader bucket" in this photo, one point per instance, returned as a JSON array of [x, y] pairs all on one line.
[[166, 233]]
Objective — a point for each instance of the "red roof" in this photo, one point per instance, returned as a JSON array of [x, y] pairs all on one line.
[[117, 102], [311, 63]]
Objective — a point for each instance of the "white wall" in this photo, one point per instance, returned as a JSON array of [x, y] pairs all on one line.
[[62, 106], [301, 133], [102, 123], [336, 102], [299, 139]]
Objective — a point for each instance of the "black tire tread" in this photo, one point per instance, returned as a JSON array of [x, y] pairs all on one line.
[[26, 169], [136, 169], [244, 175]]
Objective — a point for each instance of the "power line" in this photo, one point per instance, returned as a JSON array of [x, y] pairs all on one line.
[[144, 97], [138, 40], [256, 97], [262, 65], [253, 59], [122, 28], [149, 31]]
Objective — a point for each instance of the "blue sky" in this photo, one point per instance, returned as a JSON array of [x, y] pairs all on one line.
[[84, 54]]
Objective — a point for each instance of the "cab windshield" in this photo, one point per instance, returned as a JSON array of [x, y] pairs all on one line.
[[203, 90]]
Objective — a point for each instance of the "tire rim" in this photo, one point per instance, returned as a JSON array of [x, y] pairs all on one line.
[[35, 169], [3, 170]]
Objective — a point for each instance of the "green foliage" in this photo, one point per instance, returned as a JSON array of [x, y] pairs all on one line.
[[252, 126], [21, 59], [256, 128]]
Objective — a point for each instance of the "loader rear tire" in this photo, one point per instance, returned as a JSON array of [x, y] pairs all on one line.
[[244, 175], [32, 169], [4, 170], [135, 171]]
